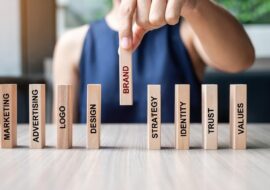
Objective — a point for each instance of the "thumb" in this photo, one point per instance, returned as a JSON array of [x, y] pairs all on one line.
[[138, 34]]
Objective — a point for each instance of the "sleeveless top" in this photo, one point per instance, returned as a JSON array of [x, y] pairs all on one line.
[[161, 59]]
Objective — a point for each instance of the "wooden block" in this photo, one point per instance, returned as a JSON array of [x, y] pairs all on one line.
[[238, 116], [125, 78], [8, 115], [210, 116], [182, 116], [93, 115], [64, 118], [37, 115], [153, 116]]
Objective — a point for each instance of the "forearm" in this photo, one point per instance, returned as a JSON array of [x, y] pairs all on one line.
[[64, 73], [223, 39]]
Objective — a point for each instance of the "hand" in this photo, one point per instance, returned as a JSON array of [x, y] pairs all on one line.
[[150, 14]]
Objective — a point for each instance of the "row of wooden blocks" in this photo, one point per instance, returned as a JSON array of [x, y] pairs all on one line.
[[64, 120]]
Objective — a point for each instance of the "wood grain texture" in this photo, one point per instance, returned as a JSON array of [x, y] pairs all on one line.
[[154, 116], [8, 115], [210, 116], [182, 116], [37, 115], [64, 116], [238, 116], [125, 78], [93, 116], [123, 162]]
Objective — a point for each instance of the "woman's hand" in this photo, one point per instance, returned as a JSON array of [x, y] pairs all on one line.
[[217, 37], [150, 14]]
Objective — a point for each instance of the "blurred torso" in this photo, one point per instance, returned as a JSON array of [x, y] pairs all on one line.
[[160, 59]]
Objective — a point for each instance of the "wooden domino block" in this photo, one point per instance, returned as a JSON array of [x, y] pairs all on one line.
[[154, 116], [37, 114], [125, 78], [93, 116], [64, 118], [182, 116], [238, 116], [8, 115], [210, 116]]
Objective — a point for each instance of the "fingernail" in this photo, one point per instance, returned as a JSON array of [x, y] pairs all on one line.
[[125, 42]]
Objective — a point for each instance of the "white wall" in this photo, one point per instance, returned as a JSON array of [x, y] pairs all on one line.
[[10, 43], [260, 37]]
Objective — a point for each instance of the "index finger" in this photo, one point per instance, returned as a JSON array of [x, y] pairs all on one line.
[[127, 9]]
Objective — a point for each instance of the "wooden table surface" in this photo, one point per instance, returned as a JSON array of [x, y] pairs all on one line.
[[123, 162]]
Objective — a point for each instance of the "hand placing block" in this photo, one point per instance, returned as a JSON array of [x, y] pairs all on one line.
[[210, 116], [8, 115], [182, 116], [37, 114], [238, 116], [93, 116], [64, 119], [154, 116], [125, 78]]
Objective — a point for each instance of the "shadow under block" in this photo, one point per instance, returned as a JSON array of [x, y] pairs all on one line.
[[93, 116], [64, 117], [238, 116], [182, 116], [125, 78], [153, 116], [37, 114], [8, 115], [210, 116]]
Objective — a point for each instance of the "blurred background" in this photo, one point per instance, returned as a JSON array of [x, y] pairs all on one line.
[[29, 30]]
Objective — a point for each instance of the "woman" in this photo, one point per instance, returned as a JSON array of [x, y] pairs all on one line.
[[167, 51]]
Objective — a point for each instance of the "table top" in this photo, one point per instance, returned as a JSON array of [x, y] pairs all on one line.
[[123, 162]]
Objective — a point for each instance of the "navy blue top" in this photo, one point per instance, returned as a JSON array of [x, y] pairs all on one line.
[[160, 59]]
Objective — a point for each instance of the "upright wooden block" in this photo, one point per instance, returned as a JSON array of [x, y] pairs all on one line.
[[182, 116], [37, 115], [8, 115], [64, 118], [125, 78], [210, 116], [93, 115], [238, 116], [153, 116]]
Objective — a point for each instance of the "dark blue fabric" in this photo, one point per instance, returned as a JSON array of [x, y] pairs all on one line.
[[160, 59]]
